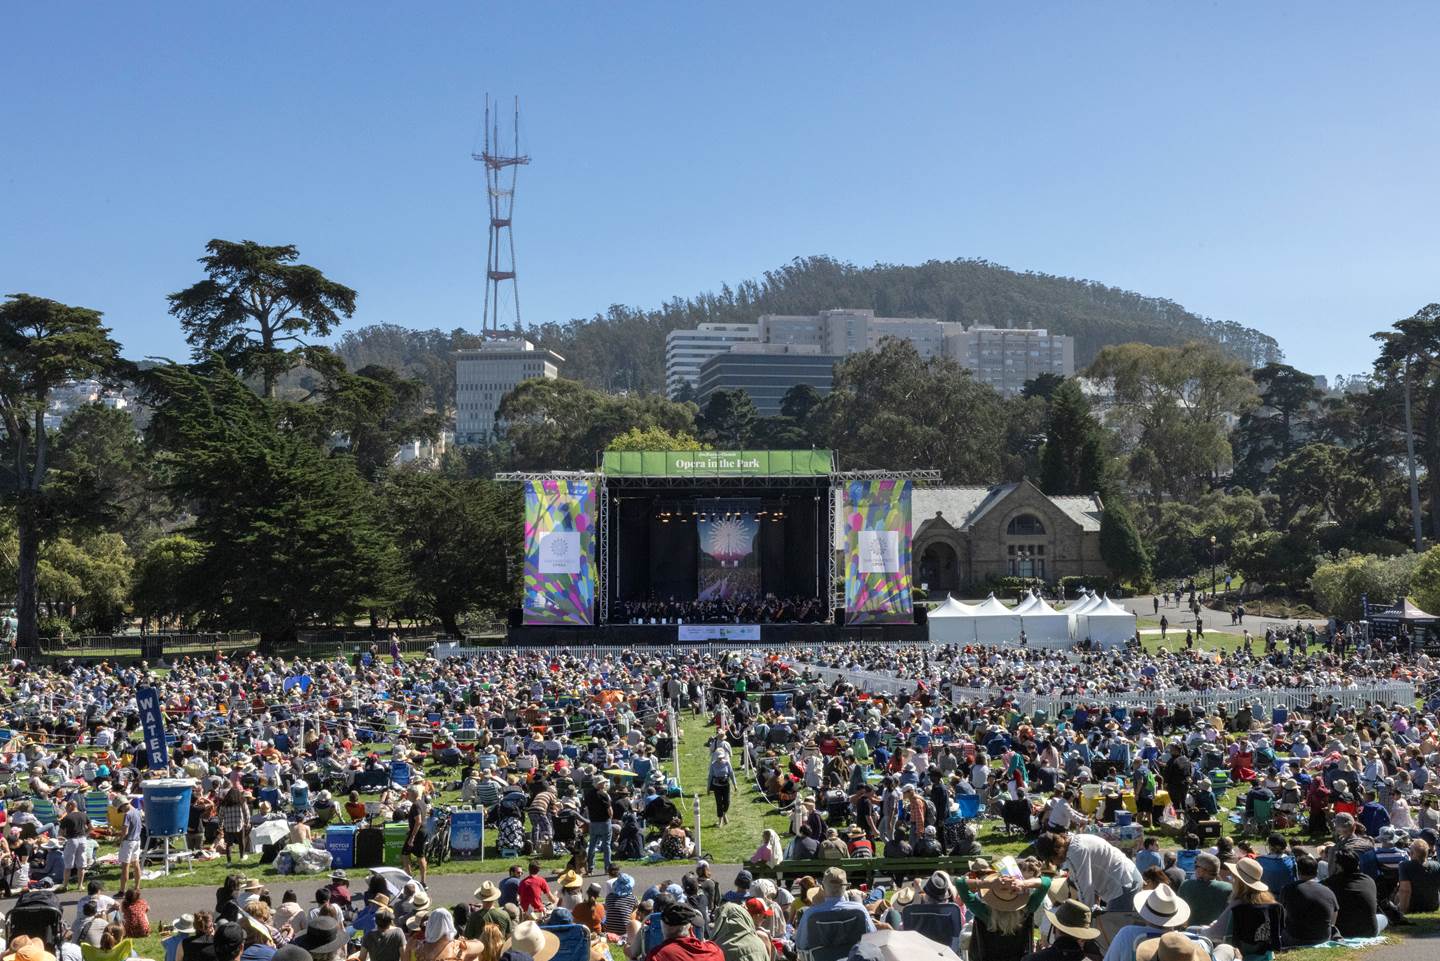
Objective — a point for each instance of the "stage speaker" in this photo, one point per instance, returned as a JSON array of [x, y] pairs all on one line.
[[515, 618], [922, 614], [839, 616]]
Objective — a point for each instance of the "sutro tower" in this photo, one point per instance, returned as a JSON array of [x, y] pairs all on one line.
[[499, 268]]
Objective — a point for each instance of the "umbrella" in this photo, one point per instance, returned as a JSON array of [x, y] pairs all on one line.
[[908, 946], [619, 772]]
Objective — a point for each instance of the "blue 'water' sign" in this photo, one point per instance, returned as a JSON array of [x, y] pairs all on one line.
[[152, 725], [467, 831]]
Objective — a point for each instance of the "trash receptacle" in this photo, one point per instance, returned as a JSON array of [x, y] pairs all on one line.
[[340, 842], [395, 835]]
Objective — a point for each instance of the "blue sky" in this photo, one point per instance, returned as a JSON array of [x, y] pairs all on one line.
[[1274, 167]]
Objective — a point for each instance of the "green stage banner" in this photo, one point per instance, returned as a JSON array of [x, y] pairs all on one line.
[[717, 463]]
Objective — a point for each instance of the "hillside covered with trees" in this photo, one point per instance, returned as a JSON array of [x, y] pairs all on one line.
[[624, 347]]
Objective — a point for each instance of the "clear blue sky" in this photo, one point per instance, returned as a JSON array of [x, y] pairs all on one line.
[[1273, 166]]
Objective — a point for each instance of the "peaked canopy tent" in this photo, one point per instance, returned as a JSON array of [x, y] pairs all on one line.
[[1026, 602], [995, 623], [1044, 626], [1403, 616], [950, 622], [1105, 624]]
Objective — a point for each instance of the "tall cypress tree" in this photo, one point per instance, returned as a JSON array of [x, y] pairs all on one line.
[[1073, 459]]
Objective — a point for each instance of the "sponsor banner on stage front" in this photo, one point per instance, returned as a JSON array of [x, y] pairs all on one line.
[[719, 632], [877, 552], [559, 552]]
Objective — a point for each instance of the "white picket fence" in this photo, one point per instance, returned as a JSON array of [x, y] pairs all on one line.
[[877, 682]]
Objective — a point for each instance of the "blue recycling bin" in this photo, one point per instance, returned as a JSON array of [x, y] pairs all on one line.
[[340, 842], [166, 803]]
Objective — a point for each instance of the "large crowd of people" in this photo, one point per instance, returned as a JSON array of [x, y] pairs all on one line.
[[734, 609], [1231, 829]]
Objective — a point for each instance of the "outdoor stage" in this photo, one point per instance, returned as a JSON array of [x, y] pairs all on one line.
[[693, 547]]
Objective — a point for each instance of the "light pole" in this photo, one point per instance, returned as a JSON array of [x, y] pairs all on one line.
[[1212, 566]]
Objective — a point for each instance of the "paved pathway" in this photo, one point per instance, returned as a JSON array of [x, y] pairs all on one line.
[[1215, 620]]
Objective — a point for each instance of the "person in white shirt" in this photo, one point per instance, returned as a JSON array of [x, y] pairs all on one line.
[[1060, 816], [1099, 872]]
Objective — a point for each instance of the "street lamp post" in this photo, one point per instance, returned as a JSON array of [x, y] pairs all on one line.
[[1213, 582]]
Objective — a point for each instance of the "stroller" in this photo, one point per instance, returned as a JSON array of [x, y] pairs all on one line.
[[36, 914]]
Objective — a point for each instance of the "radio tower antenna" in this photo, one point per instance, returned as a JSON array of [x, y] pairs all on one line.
[[500, 255]]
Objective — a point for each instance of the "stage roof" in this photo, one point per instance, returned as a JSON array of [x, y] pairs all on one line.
[[701, 464]]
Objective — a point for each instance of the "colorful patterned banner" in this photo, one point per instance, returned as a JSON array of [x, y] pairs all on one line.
[[560, 552], [877, 552]]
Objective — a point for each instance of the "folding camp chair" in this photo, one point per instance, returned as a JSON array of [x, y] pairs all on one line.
[[97, 808], [833, 934], [44, 810], [574, 941], [399, 774]]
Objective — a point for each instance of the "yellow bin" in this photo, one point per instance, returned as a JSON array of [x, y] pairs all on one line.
[[1127, 800], [1089, 798]]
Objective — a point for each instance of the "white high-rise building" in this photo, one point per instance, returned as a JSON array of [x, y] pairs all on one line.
[[1004, 358], [485, 374], [687, 350], [1007, 358]]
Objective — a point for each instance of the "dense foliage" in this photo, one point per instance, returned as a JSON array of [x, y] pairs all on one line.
[[266, 493], [623, 349]]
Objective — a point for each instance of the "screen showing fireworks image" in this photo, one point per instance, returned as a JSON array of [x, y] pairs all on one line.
[[729, 562]]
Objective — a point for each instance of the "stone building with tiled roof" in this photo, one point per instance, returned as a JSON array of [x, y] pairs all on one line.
[[966, 535]]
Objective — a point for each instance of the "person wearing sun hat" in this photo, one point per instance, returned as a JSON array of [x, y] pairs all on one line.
[[1004, 908], [1072, 927], [1159, 909], [1172, 946], [530, 942], [489, 912], [1252, 919]]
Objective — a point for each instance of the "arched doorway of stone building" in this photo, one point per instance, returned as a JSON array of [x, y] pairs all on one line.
[[939, 569]]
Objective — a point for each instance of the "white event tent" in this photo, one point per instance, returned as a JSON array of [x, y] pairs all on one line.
[[1044, 626], [950, 622], [1105, 624], [995, 623]]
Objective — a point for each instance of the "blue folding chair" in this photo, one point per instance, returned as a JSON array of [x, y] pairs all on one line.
[[574, 941], [399, 774]]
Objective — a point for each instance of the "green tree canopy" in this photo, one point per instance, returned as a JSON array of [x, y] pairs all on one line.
[[291, 536], [557, 424], [655, 438], [892, 409], [1176, 401], [459, 542], [1277, 425], [1120, 545], [259, 309], [166, 581], [1410, 359], [43, 344], [1073, 458], [728, 420]]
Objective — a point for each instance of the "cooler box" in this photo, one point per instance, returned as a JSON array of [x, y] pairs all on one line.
[[1124, 819], [340, 842], [395, 834], [166, 802]]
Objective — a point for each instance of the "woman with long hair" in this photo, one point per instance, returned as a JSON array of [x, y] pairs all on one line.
[[1004, 908], [1252, 920]]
